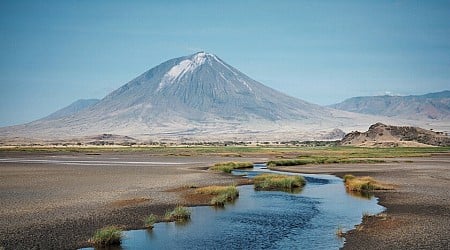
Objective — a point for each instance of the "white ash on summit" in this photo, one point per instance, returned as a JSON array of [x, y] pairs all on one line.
[[192, 98]]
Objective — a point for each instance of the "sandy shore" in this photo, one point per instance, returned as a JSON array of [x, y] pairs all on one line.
[[57, 200]]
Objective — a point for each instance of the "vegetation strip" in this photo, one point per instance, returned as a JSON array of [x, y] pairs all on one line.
[[278, 182], [227, 167], [319, 160], [330, 151], [363, 184]]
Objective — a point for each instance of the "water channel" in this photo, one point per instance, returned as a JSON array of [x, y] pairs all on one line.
[[265, 219]]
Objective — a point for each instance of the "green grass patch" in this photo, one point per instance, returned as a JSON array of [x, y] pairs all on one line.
[[227, 167], [303, 160], [107, 236], [150, 221], [278, 182], [222, 194], [179, 213], [318, 151], [364, 184]]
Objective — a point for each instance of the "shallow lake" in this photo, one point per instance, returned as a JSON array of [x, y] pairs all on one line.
[[264, 220]]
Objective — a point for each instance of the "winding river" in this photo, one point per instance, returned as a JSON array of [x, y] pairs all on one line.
[[265, 219]]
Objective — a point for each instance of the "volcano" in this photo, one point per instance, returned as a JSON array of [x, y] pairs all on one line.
[[196, 97]]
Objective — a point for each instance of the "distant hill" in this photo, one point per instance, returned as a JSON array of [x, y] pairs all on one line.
[[391, 136], [433, 106], [73, 108]]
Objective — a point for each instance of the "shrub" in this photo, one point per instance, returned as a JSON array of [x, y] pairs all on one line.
[[180, 213], [150, 221], [278, 182], [107, 236], [227, 167]]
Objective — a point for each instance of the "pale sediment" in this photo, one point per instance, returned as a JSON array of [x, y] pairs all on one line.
[[57, 201], [59, 206]]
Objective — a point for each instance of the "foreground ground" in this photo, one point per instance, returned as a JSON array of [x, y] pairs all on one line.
[[58, 199]]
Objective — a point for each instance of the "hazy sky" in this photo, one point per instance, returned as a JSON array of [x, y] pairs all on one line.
[[55, 52]]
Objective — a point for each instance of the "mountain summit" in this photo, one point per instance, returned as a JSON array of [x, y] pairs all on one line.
[[195, 97], [201, 86]]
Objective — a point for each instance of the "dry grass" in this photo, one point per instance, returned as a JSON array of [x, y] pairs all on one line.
[[364, 184], [278, 182], [222, 194], [179, 213], [107, 236], [150, 221], [227, 167]]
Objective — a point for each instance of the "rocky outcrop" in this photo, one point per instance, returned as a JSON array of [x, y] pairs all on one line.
[[380, 134]]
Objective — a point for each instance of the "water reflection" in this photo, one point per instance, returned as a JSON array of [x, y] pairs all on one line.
[[361, 194]]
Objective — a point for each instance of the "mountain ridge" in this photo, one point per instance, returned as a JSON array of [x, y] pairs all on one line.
[[432, 106], [74, 107]]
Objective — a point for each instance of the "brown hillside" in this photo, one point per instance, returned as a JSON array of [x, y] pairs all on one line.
[[393, 136]]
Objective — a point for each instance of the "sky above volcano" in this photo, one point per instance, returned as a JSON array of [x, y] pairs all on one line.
[[55, 52]]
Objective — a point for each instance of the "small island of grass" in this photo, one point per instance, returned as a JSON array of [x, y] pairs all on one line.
[[107, 236], [179, 213], [222, 194], [227, 167], [278, 182], [363, 184]]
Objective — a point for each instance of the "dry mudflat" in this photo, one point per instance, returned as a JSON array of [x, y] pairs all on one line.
[[57, 200]]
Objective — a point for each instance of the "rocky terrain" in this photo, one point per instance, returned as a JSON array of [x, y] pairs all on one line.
[[380, 134]]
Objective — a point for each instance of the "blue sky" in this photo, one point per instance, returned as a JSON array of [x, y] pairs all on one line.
[[55, 52]]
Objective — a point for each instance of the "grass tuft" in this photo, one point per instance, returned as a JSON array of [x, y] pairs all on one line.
[[223, 194], [227, 167], [348, 177], [179, 213], [278, 182], [107, 236], [364, 184], [150, 221]]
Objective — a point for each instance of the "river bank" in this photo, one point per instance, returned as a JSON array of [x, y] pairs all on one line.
[[418, 210], [57, 200]]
